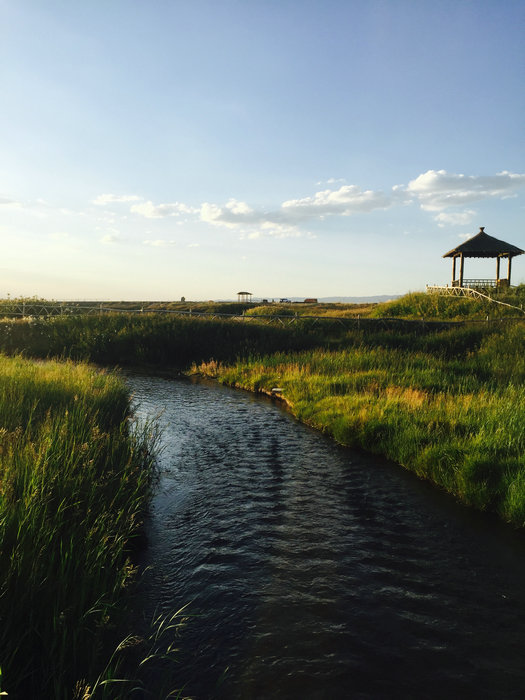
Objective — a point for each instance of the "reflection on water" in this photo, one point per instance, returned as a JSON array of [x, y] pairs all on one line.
[[317, 572]]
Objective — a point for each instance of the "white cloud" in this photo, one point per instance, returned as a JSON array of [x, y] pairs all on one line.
[[331, 181], [104, 199], [436, 189], [70, 212], [281, 222], [284, 222], [211, 213], [159, 243], [460, 218], [161, 211], [111, 238], [250, 223], [6, 202], [347, 200], [270, 230], [237, 207], [233, 214]]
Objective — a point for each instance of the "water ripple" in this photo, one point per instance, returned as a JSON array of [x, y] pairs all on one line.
[[318, 572]]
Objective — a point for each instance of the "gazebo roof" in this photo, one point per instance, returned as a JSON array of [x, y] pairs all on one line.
[[484, 246]]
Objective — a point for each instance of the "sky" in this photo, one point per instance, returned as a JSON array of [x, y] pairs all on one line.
[[289, 148]]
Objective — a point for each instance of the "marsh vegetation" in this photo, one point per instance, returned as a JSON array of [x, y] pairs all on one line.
[[445, 400], [74, 481]]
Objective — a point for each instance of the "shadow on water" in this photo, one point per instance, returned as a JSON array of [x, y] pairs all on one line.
[[315, 571]]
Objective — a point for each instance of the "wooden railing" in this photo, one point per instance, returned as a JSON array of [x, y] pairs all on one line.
[[35, 309], [475, 283], [467, 292], [31, 310]]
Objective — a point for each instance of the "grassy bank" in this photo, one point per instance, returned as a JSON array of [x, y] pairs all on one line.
[[507, 302], [73, 483], [449, 405], [171, 341], [446, 402]]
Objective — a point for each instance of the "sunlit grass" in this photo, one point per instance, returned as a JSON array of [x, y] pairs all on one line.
[[456, 418], [74, 481], [436, 306]]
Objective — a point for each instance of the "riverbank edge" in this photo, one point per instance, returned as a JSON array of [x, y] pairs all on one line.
[[416, 467]]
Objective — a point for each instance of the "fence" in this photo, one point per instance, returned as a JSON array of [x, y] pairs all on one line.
[[54, 309], [468, 292]]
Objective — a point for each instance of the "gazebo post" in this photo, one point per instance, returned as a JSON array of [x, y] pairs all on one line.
[[508, 270], [497, 269], [453, 270], [461, 261]]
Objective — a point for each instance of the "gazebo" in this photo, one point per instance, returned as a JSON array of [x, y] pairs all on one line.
[[244, 297], [482, 246]]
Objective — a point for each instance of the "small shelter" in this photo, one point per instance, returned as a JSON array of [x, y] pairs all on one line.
[[482, 246], [244, 297]]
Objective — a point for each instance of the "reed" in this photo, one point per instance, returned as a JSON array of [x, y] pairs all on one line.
[[148, 339], [75, 476]]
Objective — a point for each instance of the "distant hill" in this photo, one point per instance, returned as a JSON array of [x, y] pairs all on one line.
[[361, 300], [352, 300], [378, 298]]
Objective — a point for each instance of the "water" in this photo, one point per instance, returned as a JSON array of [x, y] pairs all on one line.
[[318, 572]]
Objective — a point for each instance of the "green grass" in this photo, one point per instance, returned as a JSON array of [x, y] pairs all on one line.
[[436, 306], [449, 406], [74, 481], [149, 339]]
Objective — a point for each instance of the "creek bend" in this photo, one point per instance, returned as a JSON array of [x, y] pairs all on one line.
[[314, 571]]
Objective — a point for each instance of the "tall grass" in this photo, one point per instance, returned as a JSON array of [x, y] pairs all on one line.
[[74, 481], [145, 339], [436, 306], [451, 408], [318, 310], [176, 342]]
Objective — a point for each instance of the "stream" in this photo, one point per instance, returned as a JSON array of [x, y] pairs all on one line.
[[315, 571]]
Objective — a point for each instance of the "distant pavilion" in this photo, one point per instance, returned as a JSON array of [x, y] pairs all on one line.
[[482, 246], [244, 297]]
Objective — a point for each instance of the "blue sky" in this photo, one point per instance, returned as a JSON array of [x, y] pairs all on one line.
[[153, 150]]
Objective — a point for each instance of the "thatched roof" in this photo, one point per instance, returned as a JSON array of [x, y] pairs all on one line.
[[484, 246]]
